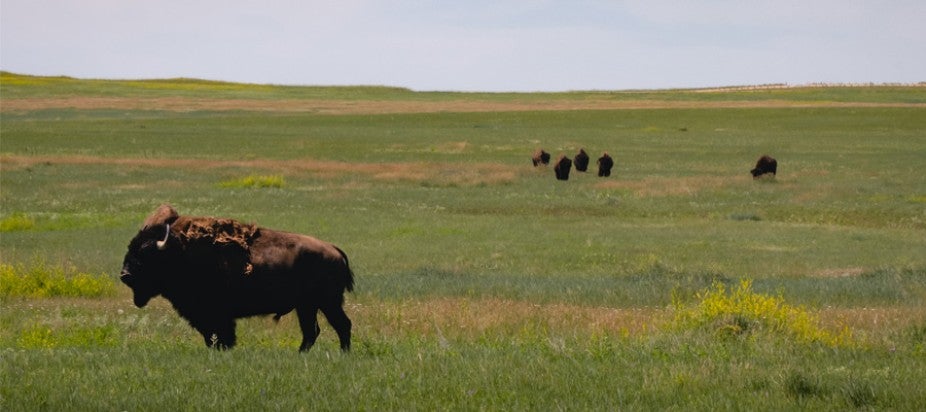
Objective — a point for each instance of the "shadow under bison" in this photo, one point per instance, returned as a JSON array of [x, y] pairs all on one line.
[[214, 271]]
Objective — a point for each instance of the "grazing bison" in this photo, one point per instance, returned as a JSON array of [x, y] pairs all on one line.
[[581, 161], [562, 167], [214, 271], [766, 164], [605, 163], [540, 157]]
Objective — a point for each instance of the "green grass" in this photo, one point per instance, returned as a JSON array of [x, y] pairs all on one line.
[[482, 282]]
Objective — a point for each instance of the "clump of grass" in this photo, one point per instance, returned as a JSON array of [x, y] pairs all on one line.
[[742, 312], [254, 181], [16, 222], [44, 337], [859, 394], [800, 386], [43, 281], [748, 216]]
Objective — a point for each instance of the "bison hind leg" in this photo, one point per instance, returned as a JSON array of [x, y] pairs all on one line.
[[341, 324]]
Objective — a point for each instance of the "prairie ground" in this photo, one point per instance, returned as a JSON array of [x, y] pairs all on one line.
[[482, 282]]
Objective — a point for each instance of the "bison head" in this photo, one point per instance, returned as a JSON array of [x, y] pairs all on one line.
[[149, 256]]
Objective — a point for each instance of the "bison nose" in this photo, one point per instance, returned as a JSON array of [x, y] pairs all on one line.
[[125, 276]]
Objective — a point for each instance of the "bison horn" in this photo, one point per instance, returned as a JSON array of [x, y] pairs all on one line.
[[162, 244]]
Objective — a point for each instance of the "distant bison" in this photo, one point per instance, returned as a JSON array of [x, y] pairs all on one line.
[[581, 161], [605, 163], [562, 167], [214, 271], [540, 157], [765, 165]]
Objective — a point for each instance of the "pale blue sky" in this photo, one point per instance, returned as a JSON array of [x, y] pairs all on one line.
[[494, 45]]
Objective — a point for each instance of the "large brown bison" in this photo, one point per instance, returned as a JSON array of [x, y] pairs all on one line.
[[540, 157], [581, 161], [214, 271], [605, 163], [562, 167], [765, 165]]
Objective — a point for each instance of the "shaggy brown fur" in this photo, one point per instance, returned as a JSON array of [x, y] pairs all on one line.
[[540, 157], [214, 271]]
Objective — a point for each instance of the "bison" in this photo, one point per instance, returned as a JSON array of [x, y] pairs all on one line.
[[605, 163], [214, 271], [765, 165], [562, 167], [581, 161], [540, 157]]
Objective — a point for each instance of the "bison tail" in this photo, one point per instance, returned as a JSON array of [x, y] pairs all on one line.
[[349, 282]]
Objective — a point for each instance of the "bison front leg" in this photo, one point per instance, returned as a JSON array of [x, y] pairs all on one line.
[[225, 335], [220, 335], [308, 322]]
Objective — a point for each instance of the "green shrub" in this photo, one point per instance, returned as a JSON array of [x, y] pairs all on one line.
[[741, 312], [253, 181], [16, 222], [43, 281]]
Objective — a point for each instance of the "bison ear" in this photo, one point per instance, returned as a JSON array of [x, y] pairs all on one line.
[[164, 215]]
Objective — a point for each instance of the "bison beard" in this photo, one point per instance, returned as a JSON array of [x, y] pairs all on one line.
[[765, 165], [214, 271]]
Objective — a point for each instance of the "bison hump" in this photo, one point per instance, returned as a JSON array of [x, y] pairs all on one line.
[[223, 245], [216, 231]]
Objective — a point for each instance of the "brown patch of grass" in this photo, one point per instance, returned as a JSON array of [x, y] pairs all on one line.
[[876, 321], [452, 147], [439, 174], [839, 272], [464, 318], [324, 106]]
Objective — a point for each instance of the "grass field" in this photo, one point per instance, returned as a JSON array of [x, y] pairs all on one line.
[[482, 282]]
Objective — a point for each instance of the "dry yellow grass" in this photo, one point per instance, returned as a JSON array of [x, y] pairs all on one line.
[[874, 320], [474, 318], [839, 272], [464, 318]]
